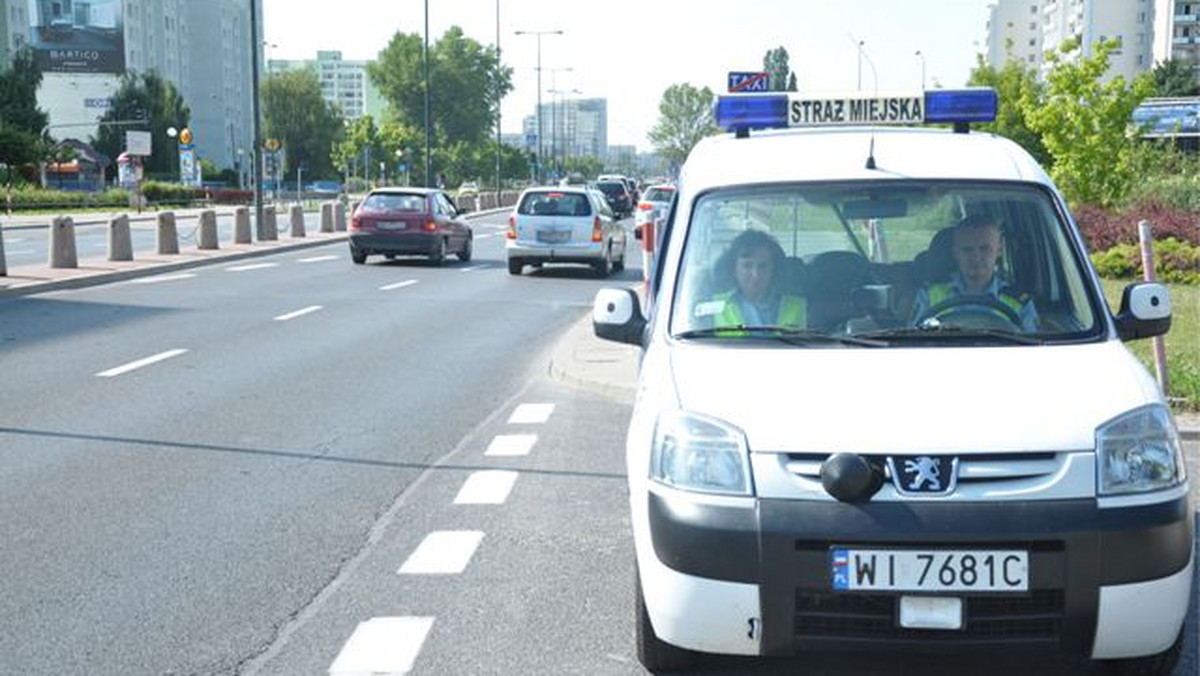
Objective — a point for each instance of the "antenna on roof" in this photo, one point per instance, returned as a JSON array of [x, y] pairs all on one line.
[[862, 53]]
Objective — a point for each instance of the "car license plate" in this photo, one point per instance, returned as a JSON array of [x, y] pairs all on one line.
[[929, 570], [392, 225], [553, 236]]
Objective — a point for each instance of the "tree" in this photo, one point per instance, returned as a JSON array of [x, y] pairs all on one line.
[[685, 117], [1175, 77], [21, 121], [467, 80], [159, 105], [1016, 88], [1085, 124], [295, 114], [779, 73]]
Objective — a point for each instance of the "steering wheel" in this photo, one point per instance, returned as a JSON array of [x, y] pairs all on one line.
[[977, 311]]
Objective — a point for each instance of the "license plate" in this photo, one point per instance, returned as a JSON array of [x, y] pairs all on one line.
[[929, 570], [392, 225], [553, 236]]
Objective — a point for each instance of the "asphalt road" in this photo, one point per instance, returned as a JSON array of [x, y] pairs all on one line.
[[295, 465]]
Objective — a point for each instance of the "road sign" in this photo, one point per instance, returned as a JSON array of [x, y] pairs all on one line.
[[748, 82], [137, 143]]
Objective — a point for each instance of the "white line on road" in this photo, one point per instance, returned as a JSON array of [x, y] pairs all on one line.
[[487, 487], [473, 268], [318, 259], [16, 240], [511, 444], [163, 278], [382, 645], [252, 266], [20, 252], [298, 313], [140, 363], [531, 413], [445, 552], [398, 285]]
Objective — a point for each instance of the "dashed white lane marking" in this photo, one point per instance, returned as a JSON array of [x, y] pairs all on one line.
[[531, 413], [382, 645], [511, 444], [318, 259], [126, 368], [398, 285], [19, 252], [163, 278], [473, 268], [487, 487], [16, 240], [251, 266], [298, 313], [445, 552]]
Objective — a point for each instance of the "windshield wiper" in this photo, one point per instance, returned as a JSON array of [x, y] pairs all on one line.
[[948, 331], [787, 334]]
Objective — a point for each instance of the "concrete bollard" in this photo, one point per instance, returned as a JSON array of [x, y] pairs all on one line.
[[120, 242], [339, 217], [208, 230], [270, 227], [3, 262], [327, 217], [241, 225], [297, 220], [62, 243], [168, 234]]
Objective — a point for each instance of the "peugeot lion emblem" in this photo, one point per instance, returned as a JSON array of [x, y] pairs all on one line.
[[924, 474]]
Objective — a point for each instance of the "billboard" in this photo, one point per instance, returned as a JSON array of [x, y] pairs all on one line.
[[77, 36], [1168, 118]]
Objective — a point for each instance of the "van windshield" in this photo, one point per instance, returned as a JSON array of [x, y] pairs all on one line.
[[902, 262]]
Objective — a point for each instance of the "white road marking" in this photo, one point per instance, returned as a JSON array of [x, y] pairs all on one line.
[[16, 240], [511, 444], [472, 268], [381, 646], [19, 252], [487, 487], [318, 259], [398, 285], [298, 313], [162, 278], [531, 413], [126, 368], [445, 552], [252, 266]]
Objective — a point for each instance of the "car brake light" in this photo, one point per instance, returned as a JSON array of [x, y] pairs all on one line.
[[355, 222], [645, 206], [430, 226], [512, 226], [597, 235]]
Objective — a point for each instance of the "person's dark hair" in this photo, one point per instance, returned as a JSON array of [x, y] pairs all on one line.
[[742, 245], [979, 221]]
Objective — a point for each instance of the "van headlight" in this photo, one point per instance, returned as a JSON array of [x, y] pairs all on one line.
[[1138, 452], [697, 453]]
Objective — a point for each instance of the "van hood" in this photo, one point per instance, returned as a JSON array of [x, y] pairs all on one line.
[[913, 400]]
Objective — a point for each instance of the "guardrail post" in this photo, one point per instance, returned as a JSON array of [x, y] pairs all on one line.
[[241, 225], [168, 234], [327, 217], [120, 243], [297, 220], [208, 230], [270, 227], [62, 243], [339, 217]]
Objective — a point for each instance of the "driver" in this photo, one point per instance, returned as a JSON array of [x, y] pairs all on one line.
[[976, 249]]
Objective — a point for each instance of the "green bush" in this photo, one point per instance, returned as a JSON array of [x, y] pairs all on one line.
[[158, 192], [1176, 262], [28, 197]]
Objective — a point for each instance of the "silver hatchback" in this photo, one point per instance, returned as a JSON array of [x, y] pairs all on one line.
[[567, 224]]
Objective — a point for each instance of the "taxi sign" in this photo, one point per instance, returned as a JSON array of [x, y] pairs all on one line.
[[748, 82]]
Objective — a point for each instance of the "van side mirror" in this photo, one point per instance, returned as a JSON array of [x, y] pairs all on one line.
[[1145, 311], [617, 316]]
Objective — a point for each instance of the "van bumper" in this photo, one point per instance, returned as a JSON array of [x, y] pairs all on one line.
[[1086, 563]]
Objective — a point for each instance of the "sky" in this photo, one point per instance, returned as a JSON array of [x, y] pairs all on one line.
[[630, 51]]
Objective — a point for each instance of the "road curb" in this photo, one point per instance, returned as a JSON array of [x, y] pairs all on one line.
[[582, 360]]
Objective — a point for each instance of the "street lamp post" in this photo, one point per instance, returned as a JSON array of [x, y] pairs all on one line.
[[922, 58], [860, 55], [539, 35], [256, 147]]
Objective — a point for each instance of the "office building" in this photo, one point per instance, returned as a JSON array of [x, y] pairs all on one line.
[[14, 27], [1177, 31], [343, 83], [1014, 33]]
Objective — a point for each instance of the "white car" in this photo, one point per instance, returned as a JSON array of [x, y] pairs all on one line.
[[833, 447], [565, 224], [653, 205]]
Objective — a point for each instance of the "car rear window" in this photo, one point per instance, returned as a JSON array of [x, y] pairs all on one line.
[[392, 202], [659, 194], [611, 188], [555, 204]]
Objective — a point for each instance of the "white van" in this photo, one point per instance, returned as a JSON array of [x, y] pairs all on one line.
[[884, 405]]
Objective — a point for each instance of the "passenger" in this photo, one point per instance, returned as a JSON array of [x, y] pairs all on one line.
[[976, 249], [754, 261]]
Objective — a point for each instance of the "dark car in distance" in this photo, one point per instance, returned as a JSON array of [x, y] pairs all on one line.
[[409, 222], [616, 193]]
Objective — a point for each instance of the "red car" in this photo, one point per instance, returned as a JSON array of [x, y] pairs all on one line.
[[409, 222]]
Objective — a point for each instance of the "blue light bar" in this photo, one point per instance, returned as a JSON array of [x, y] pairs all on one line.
[[742, 112], [961, 105]]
